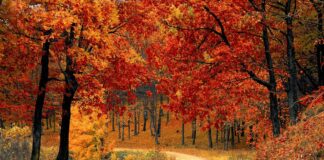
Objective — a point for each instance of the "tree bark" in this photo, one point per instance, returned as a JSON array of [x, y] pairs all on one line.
[[159, 122], [210, 140], [145, 115], [135, 123], [123, 130], [194, 132], [232, 136], [71, 85], [138, 121], [292, 70], [128, 129], [113, 120], [37, 125], [182, 133], [216, 138]]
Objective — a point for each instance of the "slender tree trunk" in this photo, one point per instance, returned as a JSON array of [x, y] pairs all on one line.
[[128, 129], [242, 129], [225, 136], [54, 119], [182, 133], [37, 125], [138, 121], [194, 132], [47, 123], [113, 120], [145, 115], [50, 119], [1, 123], [238, 132], [216, 138], [210, 140], [167, 117], [123, 130], [320, 61], [232, 136], [159, 122], [135, 123], [119, 128]]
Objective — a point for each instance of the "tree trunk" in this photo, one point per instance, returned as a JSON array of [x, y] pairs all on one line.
[[123, 130], [225, 136], [292, 81], [233, 136], [113, 120], [216, 138], [194, 132], [145, 115], [2, 124], [135, 123], [65, 127], [182, 133], [138, 121], [128, 129], [159, 122], [167, 117], [71, 85], [119, 132], [210, 140], [238, 132], [320, 61], [37, 125], [47, 121]]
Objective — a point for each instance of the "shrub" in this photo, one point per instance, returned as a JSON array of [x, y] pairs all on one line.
[[15, 143], [88, 135]]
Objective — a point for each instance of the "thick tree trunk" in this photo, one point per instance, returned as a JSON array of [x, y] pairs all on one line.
[[37, 125], [182, 133], [272, 80], [71, 85], [292, 82], [65, 127], [194, 132]]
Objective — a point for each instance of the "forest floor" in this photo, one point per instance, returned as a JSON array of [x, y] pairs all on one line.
[[173, 155], [170, 142]]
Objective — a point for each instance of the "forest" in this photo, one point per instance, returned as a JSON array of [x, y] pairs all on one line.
[[161, 79]]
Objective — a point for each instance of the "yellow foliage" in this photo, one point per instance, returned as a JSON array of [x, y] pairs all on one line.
[[88, 135]]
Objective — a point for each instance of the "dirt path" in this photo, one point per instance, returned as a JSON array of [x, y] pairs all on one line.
[[176, 155]]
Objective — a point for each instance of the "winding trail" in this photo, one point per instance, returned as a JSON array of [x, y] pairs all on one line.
[[176, 155]]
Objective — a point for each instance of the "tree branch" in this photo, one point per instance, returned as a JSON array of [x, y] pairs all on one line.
[[254, 77], [223, 35]]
